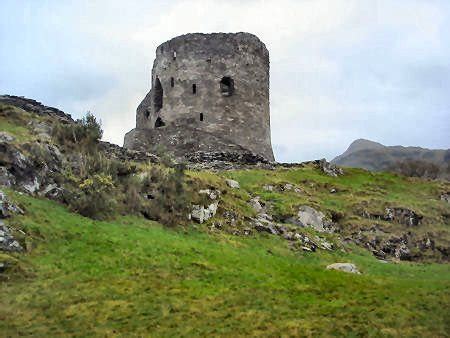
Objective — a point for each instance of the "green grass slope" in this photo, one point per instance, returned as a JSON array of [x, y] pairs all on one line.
[[132, 277]]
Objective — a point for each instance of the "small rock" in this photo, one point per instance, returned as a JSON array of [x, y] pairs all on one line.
[[446, 197], [6, 137], [201, 214], [7, 241], [6, 179], [232, 183], [345, 267], [333, 191], [2, 267], [402, 252], [268, 187], [212, 194], [7, 208], [255, 204], [32, 186]]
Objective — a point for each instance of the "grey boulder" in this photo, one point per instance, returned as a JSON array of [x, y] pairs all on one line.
[[345, 267]]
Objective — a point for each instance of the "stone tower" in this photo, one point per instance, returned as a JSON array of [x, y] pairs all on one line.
[[210, 92]]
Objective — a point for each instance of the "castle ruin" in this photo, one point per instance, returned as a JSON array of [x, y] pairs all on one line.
[[210, 92]]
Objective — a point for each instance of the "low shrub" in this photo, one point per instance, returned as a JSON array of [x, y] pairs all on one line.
[[84, 133], [94, 197]]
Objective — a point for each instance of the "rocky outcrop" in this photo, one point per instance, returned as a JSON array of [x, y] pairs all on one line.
[[8, 209], [403, 216], [264, 222], [31, 168], [201, 213], [311, 218], [399, 215], [7, 241], [36, 107], [328, 168]]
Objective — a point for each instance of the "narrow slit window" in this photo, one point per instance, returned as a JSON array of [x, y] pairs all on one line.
[[201, 117], [194, 89], [174, 54], [172, 82]]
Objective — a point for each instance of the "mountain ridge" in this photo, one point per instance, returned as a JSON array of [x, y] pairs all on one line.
[[374, 156]]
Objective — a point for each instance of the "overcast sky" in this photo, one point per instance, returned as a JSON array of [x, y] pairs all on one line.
[[340, 70]]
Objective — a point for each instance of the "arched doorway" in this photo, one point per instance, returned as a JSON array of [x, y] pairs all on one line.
[[159, 123]]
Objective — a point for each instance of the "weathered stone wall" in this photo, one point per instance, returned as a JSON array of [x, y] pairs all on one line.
[[217, 83]]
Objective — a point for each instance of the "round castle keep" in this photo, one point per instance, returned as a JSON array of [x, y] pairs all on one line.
[[210, 92]]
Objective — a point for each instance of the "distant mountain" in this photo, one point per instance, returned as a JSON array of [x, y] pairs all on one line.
[[411, 161]]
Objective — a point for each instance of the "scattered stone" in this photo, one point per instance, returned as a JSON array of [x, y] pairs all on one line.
[[2, 267], [7, 208], [402, 252], [264, 223], [232, 183], [53, 192], [32, 186], [398, 215], [446, 197], [333, 191], [6, 178], [7, 240], [323, 244], [345, 267], [403, 216], [268, 187], [201, 214], [212, 194], [230, 217], [6, 137], [256, 204]]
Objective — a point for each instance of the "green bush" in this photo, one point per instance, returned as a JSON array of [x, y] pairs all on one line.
[[95, 197], [84, 133], [169, 206]]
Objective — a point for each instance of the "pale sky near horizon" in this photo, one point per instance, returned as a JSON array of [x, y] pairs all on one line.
[[340, 70]]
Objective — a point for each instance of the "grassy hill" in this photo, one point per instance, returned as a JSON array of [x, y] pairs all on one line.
[[126, 275], [132, 277]]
